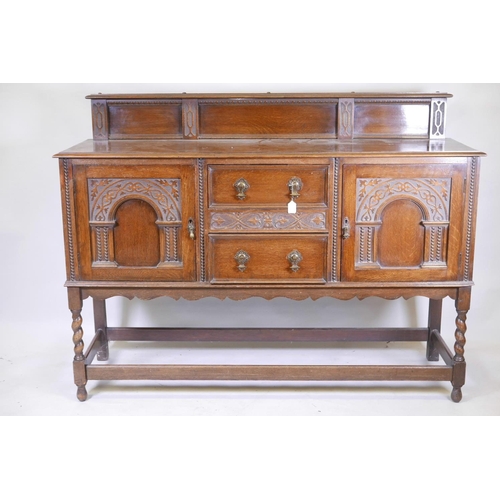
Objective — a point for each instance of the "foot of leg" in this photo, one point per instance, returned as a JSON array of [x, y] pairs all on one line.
[[103, 353], [456, 395], [81, 393]]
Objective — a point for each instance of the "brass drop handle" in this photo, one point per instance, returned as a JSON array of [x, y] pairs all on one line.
[[241, 186], [346, 228], [242, 258], [294, 257], [294, 185], [191, 228]]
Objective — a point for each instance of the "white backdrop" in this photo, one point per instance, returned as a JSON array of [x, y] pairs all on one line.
[[39, 120]]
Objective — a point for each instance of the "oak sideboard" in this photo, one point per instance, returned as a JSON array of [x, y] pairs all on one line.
[[342, 195]]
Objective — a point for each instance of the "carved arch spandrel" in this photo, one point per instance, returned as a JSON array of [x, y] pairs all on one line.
[[375, 195], [107, 195]]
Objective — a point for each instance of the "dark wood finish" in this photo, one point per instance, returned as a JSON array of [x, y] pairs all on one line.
[[265, 118], [434, 325], [391, 119], [134, 218], [405, 219], [187, 196], [136, 245], [136, 119], [268, 184], [269, 334], [269, 148], [268, 258], [269, 115], [101, 325], [269, 372]]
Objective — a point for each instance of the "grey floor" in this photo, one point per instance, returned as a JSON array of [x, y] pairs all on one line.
[[36, 378]]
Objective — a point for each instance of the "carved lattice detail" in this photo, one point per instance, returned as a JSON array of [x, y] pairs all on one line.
[[171, 243], [438, 114], [99, 117], [346, 118], [436, 244], [432, 194], [106, 194], [190, 118], [366, 244], [267, 220]]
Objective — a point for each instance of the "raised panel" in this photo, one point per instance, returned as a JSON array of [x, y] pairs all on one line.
[[268, 118], [405, 221], [391, 119], [401, 235], [267, 258], [134, 220], [145, 119], [267, 185], [136, 235]]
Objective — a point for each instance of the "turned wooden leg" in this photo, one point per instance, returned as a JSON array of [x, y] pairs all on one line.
[[434, 323], [462, 305], [79, 371], [101, 325]]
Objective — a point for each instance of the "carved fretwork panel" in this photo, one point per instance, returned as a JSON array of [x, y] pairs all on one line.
[[437, 129], [267, 221], [401, 218], [402, 222], [137, 219], [156, 198]]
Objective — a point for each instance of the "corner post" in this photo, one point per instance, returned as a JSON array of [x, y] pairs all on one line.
[[101, 326], [434, 323], [462, 305], [75, 305]]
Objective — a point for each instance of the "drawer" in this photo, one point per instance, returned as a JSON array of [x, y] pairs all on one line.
[[266, 258], [267, 185]]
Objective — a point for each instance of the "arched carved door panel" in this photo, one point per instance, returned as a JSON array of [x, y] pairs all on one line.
[[403, 220], [137, 226]]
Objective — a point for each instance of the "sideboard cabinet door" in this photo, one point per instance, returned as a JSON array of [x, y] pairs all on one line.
[[136, 220], [402, 220]]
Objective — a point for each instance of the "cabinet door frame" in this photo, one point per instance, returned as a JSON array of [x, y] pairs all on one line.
[[355, 266], [148, 173]]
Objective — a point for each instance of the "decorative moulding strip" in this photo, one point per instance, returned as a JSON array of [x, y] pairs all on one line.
[[190, 118], [392, 101], [470, 220], [345, 124], [100, 120], [266, 101], [335, 223], [69, 221], [201, 216], [144, 102]]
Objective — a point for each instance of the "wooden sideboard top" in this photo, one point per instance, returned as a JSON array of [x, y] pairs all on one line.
[[273, 95], [265, 148]]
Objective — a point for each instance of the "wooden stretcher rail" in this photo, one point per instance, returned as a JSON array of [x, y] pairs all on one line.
[[268, 334], [270, 372]]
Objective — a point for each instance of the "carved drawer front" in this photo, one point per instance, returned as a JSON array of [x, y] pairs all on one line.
[[402, 222], [269, 185], [136, 221], [266, 258], [268, 220]]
